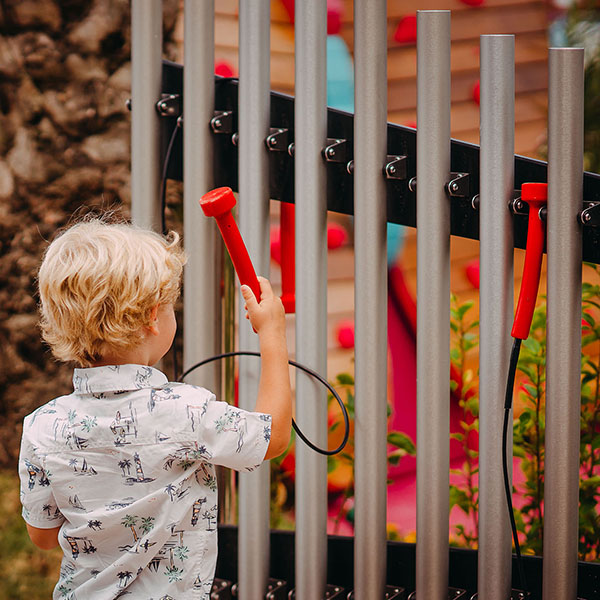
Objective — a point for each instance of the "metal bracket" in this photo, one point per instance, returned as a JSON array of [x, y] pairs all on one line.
[[392, 592], [332, 592], [222, 122], [458, 186], [590, 215], [395, 167], [169, 105], [336, 150], [276, 590], [221, 590], [514, 595], [278, 140], [453, 594]]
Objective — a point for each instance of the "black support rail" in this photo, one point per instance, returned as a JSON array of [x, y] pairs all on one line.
[[463, 185]]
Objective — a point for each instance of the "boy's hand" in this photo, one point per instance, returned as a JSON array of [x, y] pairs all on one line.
[[269, 315]]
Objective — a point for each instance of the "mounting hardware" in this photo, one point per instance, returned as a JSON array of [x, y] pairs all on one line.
[[475, 202], [590, 215], [278, 140], [395, 167], [332, 592], [221, 590], [336, 150], [291, 149], [235, 138], [412, 184], [222, 122], [458, 186], [276, 590], [392, 592], [169, 105], [453, 594], [514, 595]]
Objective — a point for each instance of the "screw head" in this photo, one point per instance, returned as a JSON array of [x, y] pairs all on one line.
[[391, 169], [587, 217], [331, 152], [454, 187], [163, 106], [217, 123]]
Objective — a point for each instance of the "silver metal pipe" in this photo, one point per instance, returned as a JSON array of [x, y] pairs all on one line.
[[563, 366], [310, 190], [146, 70], [370, 276], [433, 303], [496, 295], [253, 211], [201, 301]]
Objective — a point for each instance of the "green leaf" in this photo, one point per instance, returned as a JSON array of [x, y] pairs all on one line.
[[401, 440], [344, 379]]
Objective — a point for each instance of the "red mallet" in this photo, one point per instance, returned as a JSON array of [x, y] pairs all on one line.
[[406, 32], [218, 204], [536, 195], [476, 92]]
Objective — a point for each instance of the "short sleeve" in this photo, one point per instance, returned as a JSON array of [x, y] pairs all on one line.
[[233, 437], [39, 506]]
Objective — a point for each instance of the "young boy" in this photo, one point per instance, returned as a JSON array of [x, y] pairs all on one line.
[[120, 473]]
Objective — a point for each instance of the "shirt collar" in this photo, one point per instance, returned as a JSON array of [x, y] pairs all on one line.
[[116, 378]]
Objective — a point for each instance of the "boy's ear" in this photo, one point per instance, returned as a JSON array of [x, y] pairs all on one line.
[[153, 327]]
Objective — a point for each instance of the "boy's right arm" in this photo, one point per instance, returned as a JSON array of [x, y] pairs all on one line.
[[274, 390]]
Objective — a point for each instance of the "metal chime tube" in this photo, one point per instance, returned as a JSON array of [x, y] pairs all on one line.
[[201, 300], [433, 303], [146, 69], [497, 124], [254, 109], [311, 294], [370, 210], [563, 364]]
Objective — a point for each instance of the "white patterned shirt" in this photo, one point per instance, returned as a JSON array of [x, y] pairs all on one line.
[[125, 466]]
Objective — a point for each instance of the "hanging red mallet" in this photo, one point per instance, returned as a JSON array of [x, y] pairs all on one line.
[[218, 204], [536, 196]]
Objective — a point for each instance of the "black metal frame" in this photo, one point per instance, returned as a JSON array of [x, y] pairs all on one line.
[[401, 199], [401, 565], [401, 203]]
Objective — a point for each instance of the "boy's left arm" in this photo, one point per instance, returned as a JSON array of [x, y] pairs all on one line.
[[46, 539]]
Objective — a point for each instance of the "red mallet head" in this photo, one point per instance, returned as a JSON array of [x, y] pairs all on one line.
[[217, 202], [535, 195], [406, 32]]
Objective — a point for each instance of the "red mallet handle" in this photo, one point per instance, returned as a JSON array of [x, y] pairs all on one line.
[[218, 204], [536, 195]]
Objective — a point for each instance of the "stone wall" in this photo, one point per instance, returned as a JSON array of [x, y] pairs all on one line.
[[64, 149]]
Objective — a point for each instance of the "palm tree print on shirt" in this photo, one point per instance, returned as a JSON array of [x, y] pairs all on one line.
[[139, 472], [233, 421]]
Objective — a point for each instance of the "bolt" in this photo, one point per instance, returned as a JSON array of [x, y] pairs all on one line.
[[217, 123], [272, 141], [163, 106], [518, 204], [454, 187], [330, 152], [391, 169], [587, 217]]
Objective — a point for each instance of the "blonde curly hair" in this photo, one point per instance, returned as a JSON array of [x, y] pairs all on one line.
[[98, 284]]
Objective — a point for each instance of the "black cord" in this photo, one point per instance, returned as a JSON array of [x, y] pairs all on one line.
[[512, 368], [302, 368], [165, 170]]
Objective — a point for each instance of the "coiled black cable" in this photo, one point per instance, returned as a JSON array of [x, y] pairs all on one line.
[[307, 370], [508, 399]]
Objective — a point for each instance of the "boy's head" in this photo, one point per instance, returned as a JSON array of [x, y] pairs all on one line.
[[99, 284]]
